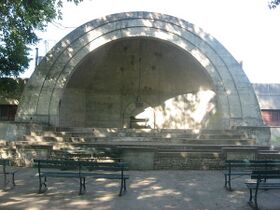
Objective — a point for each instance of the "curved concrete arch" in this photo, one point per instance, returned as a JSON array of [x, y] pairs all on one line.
[[65, 76], [236, 98]]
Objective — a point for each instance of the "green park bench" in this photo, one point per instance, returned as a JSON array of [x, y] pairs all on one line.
[[239, 168], [80, 170], [262, 183], [7, 171]]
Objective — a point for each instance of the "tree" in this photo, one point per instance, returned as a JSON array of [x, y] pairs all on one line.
[[273, 4], [11, 90], [19, 19]]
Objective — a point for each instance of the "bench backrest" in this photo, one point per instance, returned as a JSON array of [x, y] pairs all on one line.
[[267, 174], [5, 162], [56, 164], [80, 165], [252, 163], [103, 166]]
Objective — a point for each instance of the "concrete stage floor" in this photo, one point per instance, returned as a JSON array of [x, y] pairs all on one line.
[[147, 190]]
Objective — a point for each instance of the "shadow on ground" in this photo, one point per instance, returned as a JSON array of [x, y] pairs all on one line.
[[194, 190]]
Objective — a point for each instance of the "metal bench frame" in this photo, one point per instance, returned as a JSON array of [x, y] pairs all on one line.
[[81, 170], [245, 168], [5, 172], [261, 183]]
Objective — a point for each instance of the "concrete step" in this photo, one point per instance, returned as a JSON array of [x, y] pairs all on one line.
[[136, 134], [269, 151], [151, 146], [168, 140], [155, 144], [91, 139], [191, 155], [144, 132], [136, 144], [161, 135], [269, 156], [47, 139]]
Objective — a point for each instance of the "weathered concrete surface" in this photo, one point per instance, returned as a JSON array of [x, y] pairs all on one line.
[[79, 81], [275, 136], [192, 190], [142, 148], [12, 131], [105, 86]]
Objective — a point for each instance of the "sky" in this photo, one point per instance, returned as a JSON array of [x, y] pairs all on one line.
[[248, 29]]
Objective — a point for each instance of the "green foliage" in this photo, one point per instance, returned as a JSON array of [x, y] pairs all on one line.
[[273, 4], [19, 19], [11, 90]]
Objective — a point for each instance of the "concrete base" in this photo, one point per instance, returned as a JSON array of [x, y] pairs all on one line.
[[240, 153], [139, 158], [146, 149]]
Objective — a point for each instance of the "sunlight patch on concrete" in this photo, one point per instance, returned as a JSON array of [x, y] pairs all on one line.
[[79, 203], [192, 184], [106, 197], [142, 183], [158, 193], [186, 111], [113, 184], [20, 200], [187, 199]]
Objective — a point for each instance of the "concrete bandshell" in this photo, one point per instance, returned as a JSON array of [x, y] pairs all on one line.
[[43, 93]]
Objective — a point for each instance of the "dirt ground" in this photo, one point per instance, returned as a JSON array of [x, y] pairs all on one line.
[[146, 190]]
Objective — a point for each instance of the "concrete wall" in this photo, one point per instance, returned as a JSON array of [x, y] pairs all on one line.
[[46, 90], [275, 136], [73, 108], [172, 87], [13, 131]]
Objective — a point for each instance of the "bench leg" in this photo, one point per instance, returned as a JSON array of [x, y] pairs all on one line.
[[82, 185], [229, 182], [13, 179], [41, 184], [124, 186], [5, 181], [121, 188], [256, 199], [251, 196]]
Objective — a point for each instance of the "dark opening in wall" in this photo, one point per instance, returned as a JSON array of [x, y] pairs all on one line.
[[8, 112]]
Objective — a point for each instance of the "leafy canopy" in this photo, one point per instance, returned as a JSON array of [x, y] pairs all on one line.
[[11, 90], [19, 19], [273, 4]]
